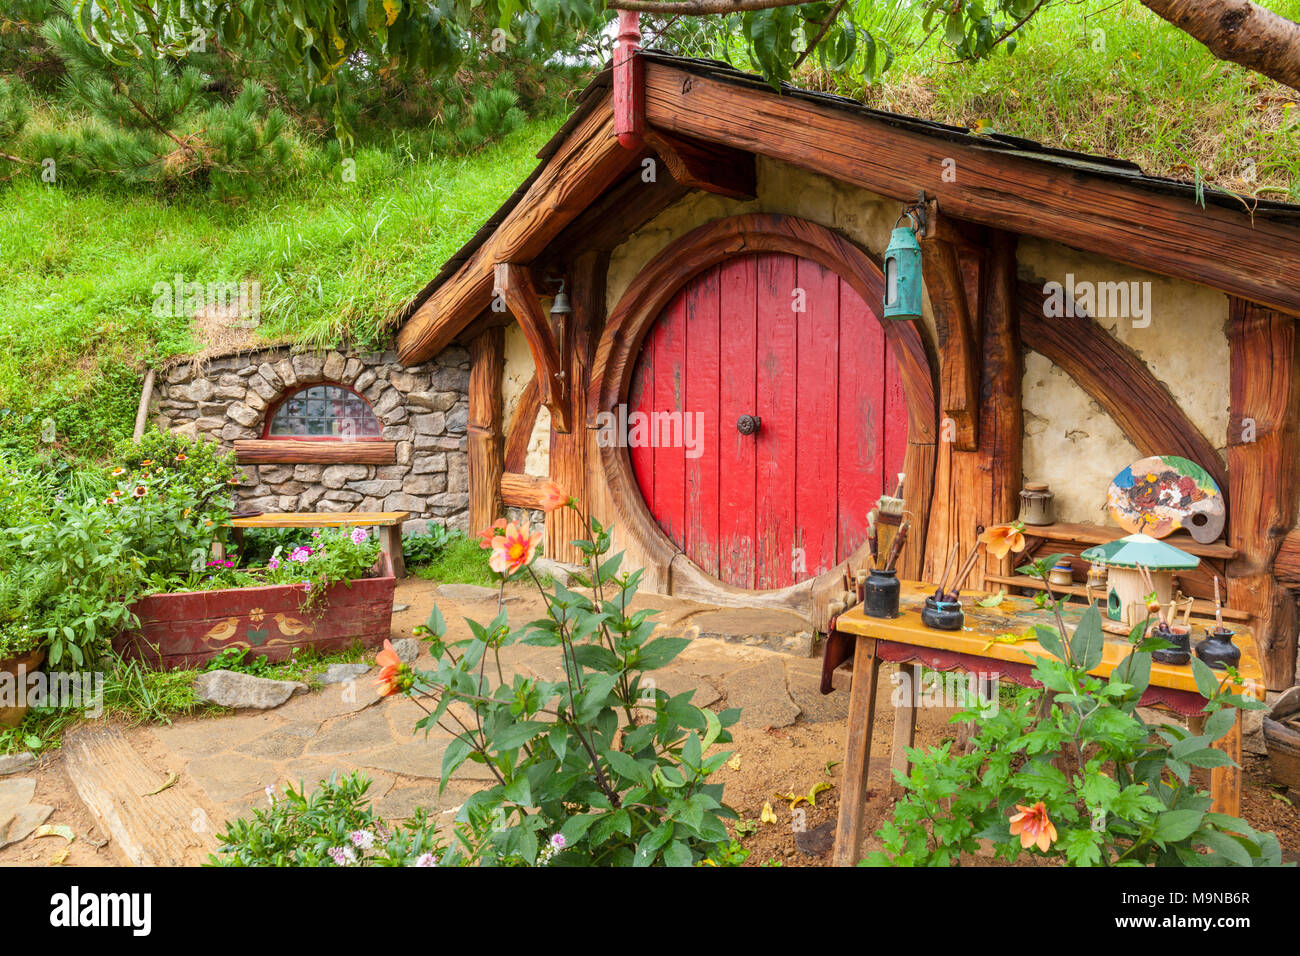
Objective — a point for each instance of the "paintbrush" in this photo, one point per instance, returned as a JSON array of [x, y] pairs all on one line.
[[872, 541], [948, 569], [1218, 606], [967, 566], [897, 546], [889, 515]]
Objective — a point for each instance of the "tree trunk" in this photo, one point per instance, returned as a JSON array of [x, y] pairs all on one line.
[[1240, 32]]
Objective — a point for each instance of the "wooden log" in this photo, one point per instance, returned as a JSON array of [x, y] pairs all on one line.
[[1286, 566], [1119, 381], [142, 410], [568, 450], [584, 166], [1216, 246], [1264, 477], [1002, 417], [486, 455], [287, 451], [521, 427], [521, 491]]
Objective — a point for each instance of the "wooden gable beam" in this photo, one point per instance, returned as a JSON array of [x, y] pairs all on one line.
[[514, 284], [585, 165], [707, 166], [1214, 246]]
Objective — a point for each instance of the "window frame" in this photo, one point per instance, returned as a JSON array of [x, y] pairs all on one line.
[[279, 403]]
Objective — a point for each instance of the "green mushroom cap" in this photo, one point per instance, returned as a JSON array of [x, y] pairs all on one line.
[[1141, 550]]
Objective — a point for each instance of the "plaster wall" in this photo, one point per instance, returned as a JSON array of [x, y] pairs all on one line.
[[1070, 441]]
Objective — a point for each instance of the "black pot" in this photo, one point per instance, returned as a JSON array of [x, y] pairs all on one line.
[[1181, 652], [880, 594], [1217, 649], [942, 615]]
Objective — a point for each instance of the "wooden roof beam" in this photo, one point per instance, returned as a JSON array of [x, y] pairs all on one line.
[[1214, 246], [959, 377], [707, 166], [587, 163]]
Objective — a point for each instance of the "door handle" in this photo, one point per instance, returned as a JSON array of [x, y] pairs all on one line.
[[748, 424]]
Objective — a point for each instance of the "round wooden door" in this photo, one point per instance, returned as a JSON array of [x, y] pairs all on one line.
[[786, 341]]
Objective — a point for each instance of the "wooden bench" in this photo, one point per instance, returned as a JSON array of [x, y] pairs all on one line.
[[389, 524]]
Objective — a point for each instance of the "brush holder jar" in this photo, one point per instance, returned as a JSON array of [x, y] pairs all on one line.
[[1180, 637], [942, 615], [1217, 649], [880, 594]]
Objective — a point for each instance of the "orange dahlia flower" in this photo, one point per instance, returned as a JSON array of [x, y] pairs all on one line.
[[1000, 539], [551, 498], [487, 534], [390, 670], [1033, 826], [514, 549]]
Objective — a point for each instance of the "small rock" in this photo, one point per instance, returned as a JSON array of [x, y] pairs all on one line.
[[817, 841], [467, 592], [232, 689], [342, 673], [407, 648], [560, 573], [15, 763], [21, 824], [399, 608]]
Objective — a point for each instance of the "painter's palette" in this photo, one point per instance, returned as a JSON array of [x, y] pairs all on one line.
[[1158, 495]]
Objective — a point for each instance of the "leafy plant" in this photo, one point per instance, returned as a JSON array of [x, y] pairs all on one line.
[[598, 768], [334, 826], [1073, 772], [335, 556]]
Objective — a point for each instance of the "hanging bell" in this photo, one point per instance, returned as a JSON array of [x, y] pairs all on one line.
[[560, 305]]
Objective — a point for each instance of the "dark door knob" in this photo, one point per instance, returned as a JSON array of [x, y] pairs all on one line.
[[748, 424]]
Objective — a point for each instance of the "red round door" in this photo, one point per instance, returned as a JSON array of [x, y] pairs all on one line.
[[785, 341]]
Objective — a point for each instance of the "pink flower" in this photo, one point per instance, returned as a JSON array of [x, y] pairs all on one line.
[[514, 549], [301, 555], [273, 564], [306, 585], [359, 535]]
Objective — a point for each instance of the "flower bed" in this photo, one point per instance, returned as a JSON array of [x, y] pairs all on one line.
[[190, 628]]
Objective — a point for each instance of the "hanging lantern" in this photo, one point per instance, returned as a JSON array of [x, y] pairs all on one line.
[[903, 275]]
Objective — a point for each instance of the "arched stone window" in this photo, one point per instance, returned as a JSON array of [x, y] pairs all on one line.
[[323, 411]]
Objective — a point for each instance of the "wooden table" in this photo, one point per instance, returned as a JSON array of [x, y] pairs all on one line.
[[905, 639], [389, 524]]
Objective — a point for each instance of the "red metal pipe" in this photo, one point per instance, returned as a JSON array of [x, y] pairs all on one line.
[[629, 82]]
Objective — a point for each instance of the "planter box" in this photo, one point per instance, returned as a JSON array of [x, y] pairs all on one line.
[[1283, 743], [189, 629], [11, 717]]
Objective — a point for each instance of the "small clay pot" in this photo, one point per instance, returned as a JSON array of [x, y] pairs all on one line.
[[942, 615], [880, 593], [1181, 637], [1217, 649], [1061, 575]]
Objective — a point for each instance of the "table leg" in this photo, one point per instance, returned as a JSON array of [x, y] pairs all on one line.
[[857, 752], [904, 726], [1225, 782], [390, 539]]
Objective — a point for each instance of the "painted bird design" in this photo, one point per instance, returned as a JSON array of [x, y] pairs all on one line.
[[220, 633], [291, 626]]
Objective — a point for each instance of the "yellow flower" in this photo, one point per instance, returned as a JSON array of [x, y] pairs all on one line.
[[1003, 538]]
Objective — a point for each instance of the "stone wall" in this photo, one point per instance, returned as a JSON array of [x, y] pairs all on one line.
[[424, 410]]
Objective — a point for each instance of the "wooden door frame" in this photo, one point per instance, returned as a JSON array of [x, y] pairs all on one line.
[[637, 311]]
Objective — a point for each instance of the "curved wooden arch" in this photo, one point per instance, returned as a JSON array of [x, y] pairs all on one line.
[[643, 301]]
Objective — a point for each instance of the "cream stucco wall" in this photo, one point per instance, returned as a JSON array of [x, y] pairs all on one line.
[[1070, 441], [518, 371]]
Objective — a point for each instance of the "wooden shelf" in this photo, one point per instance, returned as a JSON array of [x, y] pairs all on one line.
[[1199, 608], [1097, 534]]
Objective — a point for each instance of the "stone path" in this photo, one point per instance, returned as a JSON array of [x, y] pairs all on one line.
[[345, 727]]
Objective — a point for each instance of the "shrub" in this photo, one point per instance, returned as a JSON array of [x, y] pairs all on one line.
[[1078, 777], [334, 826], [600, 767]]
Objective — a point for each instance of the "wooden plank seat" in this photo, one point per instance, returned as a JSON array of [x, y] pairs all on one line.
[[389, 524]]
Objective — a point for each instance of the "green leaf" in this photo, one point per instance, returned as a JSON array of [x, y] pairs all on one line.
[[1219, 723], [678, 853], [1089, 640], [575, 828], [627, 766], [518, 791], [1175, 825], [1206, 682], [647, 851], [1208, 757], [517, 734], [661, 652]]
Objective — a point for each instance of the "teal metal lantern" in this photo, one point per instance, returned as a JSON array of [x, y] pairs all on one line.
[[903, 275]]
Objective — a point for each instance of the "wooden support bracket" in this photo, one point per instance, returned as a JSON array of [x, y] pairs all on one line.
[[723, 170], [514, 283], [959, 382]]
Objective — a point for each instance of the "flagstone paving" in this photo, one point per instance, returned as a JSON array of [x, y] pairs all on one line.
[[344, 727]]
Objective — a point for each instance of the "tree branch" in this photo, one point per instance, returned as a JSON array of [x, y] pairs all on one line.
[[1240, 32]]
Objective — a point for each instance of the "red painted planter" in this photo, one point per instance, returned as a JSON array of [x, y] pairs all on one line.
[[189, 629]]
